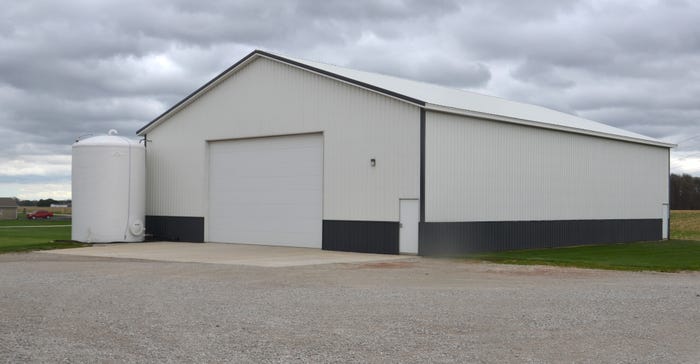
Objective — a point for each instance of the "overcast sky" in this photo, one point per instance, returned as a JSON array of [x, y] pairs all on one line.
[[70, 68]]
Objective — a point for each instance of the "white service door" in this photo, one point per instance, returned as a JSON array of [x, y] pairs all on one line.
[[409, 211], [266, 191]]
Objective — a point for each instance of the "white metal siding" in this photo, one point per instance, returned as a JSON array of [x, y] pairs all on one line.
[[267, 191], [478, 170], [269, 98]]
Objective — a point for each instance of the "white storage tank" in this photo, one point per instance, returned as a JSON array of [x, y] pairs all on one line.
[[109, 189]]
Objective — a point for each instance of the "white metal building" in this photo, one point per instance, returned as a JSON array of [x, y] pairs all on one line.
[[282, 151]]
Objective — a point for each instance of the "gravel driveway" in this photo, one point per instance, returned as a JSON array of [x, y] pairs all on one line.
[[56, 308]]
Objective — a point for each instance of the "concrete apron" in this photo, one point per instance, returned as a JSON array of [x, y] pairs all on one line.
[[217, 253]]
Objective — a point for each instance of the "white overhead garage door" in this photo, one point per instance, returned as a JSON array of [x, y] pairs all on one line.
[[267, 191]]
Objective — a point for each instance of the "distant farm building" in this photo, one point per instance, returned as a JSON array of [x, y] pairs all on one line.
[[8, 208]]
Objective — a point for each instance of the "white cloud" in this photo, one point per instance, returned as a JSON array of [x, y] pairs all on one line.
[[685, 163], [36, 191], [36, 165], [35, 176]]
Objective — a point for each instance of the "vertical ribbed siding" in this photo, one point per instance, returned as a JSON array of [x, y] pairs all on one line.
[[268, 98], [378, 237], [451, 238], [175, 228], [479, 170], [175, 172]]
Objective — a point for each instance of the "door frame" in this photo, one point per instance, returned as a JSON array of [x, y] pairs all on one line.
[[417, 225], [665, 221], [207, 170]]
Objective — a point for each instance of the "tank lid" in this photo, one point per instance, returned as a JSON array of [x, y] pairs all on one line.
[[111, 139]]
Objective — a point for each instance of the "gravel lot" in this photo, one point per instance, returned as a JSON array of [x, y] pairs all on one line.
[[56, 308]]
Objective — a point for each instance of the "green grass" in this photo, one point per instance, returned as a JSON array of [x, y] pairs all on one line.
[[663, 256], [685, 224], [40, 222], [43, 235], [680, 253]]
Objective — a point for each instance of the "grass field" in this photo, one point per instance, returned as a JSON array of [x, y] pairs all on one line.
[[26, 235], [680, 253], [38, 223], [685, 224], [663, 256], [23, 210]]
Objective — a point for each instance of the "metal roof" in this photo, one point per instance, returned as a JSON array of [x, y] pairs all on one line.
[[8, 202], [434, 97]]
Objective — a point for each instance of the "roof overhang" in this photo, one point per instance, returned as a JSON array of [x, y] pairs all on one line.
[[536, 124], [198, 92], [420, 103], [251, 57]]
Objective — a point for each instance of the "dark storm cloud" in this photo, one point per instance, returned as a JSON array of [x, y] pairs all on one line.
[[74, 67], [77, 49], [542, 74], [630, 64], [440, 69]]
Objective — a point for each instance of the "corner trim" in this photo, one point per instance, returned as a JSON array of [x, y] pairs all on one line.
[[668, 198], [422, 165]]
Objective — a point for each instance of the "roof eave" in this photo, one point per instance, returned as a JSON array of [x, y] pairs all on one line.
[[344, 79], [537, 124], [193, 96], [258, 53], [250, 57]]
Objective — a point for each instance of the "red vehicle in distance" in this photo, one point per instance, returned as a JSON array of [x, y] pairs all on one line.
[[40, 214]]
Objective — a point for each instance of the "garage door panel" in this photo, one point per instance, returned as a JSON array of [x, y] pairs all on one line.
[[268, 238], [266, 191], [296, 226], [285, 169], [277, 214], [275, 198], [272, 195], [272, 184], [290, 169]]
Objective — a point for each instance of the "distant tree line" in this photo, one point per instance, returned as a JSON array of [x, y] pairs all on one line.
[[42, 203], [685, 192]]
